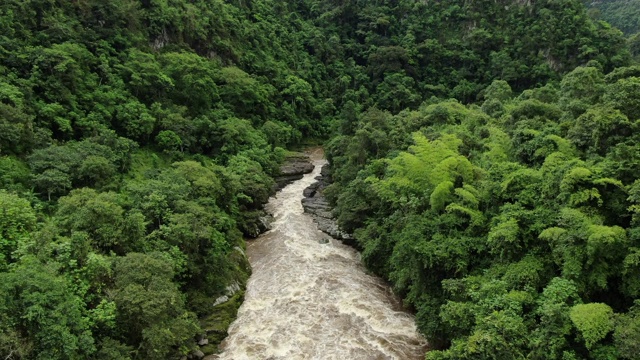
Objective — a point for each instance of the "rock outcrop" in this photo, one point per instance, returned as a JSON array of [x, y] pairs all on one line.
[[315, 204], [223, 309], [293, 168]]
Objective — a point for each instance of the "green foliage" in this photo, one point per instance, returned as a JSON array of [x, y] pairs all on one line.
[[221, 317], [493, 200], [102, 217], [621, 14], [430, 165], [150, 307], [169, 140], [16, 175], [248, 97], [42, 317], [627, 330], [598, 129], [623, 95], [193, 79], [83, 86], [59, 168], [279, 134], [498, 90], [581, 87], [511, 228], [16, 125], [17, 221], [594, 321]]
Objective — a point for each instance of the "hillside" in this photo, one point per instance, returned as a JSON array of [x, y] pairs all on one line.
[[623, 14], [139, 141]]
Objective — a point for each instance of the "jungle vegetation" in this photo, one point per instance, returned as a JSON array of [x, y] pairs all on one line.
[[484, 155], [623, 14]]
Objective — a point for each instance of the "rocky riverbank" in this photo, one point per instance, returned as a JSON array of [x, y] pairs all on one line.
[[225, 307], [317, 205], [293, 168], [309, 297]]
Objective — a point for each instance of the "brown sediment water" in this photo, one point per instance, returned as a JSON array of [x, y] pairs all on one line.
[[308, 299]]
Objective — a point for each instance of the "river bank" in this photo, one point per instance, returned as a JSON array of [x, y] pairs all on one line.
[[310, 298]]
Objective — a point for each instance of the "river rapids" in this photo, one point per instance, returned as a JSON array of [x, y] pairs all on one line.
[[309, 299]]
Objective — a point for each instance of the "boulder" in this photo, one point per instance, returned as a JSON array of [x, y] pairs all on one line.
[[317, 205], [311, 190], [265, 222], [283, 180], [220, 300], [296, 164], [293, 168], [325, 172]]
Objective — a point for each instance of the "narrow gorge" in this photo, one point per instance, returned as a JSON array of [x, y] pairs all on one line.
[[309, 297]]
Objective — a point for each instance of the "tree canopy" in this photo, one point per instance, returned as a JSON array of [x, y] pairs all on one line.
[[484, 154]]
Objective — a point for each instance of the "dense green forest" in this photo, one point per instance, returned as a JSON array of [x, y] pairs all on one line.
[[137, 141], [623, 14], [510, 224], [484, 155]]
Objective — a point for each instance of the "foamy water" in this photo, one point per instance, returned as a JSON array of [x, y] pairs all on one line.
[[308, 300]]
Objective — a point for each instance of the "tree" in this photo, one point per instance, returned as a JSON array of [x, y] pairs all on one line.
[[599, 129], [581, 87], [16, 175], [150, 307], [298, 92], [627, 330], [498, 90], [396, 92], [17, 221], [96, 171], [594, 321], [41, 315], [102, 217], [247, 96], [279, 133], [143, 75], [16, 126], [169, 141], [623, 95], [237, 135], [134, 120], [59, 167], [53, 181], [193, 78]]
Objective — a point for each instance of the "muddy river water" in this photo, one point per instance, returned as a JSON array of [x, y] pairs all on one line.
[[312, 299]]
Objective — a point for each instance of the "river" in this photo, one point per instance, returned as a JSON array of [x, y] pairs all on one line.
[[312, 300]]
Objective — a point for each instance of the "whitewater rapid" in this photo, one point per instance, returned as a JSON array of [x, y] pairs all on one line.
[[308, 299]]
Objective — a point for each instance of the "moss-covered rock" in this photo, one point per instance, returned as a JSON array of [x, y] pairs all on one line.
[[216, 324], [224, 309]]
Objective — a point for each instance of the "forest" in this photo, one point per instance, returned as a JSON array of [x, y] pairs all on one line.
[[485, 155], [623, 14]]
